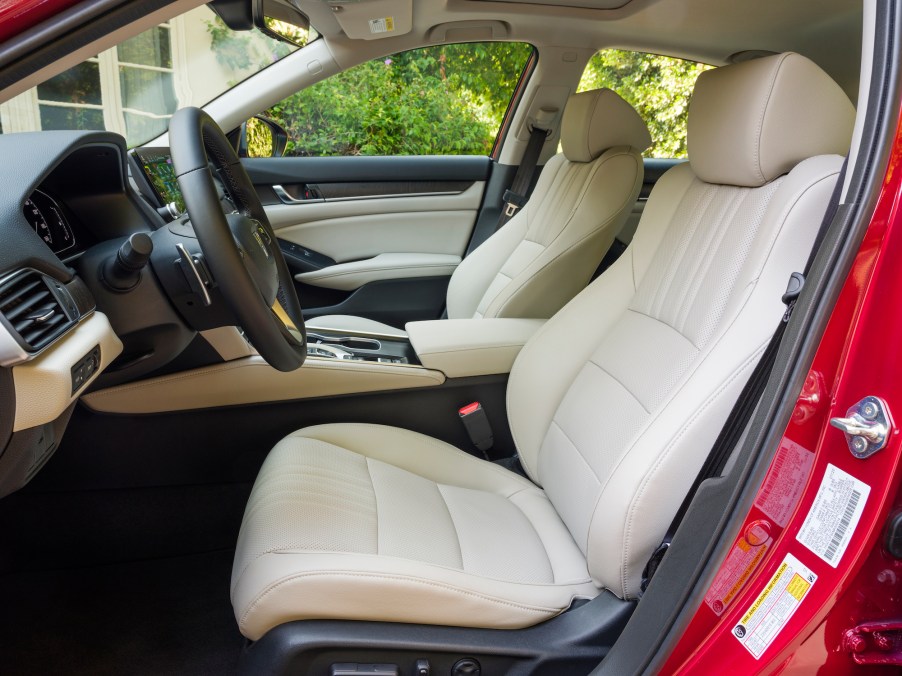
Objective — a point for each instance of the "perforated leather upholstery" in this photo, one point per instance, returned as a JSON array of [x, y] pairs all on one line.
[[548, 251], [613, 404]]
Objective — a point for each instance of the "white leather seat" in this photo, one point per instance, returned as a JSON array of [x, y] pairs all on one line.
[[613, 404], [547, 252]]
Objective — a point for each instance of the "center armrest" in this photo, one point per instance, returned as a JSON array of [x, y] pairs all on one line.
[[470, 347]]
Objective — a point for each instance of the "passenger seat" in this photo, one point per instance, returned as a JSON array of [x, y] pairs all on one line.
[[547, 252]]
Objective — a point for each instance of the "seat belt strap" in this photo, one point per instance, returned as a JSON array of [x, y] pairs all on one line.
[[748, 399], [515, 197]]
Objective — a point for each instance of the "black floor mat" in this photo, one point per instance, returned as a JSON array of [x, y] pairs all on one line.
[[170, 616]]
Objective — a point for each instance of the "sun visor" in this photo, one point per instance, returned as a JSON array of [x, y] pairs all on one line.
[[373, 19]]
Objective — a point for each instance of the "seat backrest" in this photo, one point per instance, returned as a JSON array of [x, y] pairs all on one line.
[[615, 403], [547, 252]]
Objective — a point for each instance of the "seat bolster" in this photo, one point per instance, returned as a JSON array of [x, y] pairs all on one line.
[[427, 457], [287, 586], [355, 324]]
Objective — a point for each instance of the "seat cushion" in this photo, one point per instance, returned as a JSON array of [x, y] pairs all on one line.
[[367, 522]]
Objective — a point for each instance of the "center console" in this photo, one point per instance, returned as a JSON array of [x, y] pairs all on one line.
[[456, 347], [334, 344]]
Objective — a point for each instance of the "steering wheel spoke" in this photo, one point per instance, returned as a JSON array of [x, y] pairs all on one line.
[[240, 247]]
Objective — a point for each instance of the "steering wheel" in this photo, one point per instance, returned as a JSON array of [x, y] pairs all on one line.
[[240, 248]]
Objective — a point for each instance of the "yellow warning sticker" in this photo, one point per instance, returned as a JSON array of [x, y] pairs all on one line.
[[384, 25], [773, 608]]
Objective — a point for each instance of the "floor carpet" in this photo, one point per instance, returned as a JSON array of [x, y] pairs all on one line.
[[168, 616]]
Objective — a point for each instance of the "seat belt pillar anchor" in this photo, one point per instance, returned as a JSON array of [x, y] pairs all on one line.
[[793, 290]]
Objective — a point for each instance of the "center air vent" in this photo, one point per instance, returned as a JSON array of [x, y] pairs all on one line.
[[36, 308]]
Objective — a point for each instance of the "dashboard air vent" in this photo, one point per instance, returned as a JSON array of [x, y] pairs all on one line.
[[36, 308]]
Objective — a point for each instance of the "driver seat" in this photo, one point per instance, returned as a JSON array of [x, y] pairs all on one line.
[[613, 404]]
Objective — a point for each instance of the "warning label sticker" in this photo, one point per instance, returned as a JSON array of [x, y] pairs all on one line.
[[384, 25], [833, 517], [736, 570], [785, 481], [774, 606]]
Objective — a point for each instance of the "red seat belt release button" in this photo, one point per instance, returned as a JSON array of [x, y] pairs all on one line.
[[476, 422]]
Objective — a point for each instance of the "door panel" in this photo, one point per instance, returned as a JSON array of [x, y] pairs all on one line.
[[354, 229], [377, 237]]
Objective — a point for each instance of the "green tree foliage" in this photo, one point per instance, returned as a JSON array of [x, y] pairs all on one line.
[[437, 100], [658, 87], [451, 99]]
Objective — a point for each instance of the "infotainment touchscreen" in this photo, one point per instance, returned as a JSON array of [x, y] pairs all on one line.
[[157, 165]]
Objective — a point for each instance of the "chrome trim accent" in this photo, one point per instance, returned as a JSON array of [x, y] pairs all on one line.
[[188, 260], [355, 332], [285, 198], [313, 337]]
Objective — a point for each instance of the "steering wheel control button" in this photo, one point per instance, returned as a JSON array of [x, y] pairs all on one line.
[[866, 426]]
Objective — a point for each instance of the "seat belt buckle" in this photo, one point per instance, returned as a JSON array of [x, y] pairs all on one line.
[[476, 422], [512, 202]]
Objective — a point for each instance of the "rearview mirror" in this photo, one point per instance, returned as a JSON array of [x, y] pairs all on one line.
[[275, 18]]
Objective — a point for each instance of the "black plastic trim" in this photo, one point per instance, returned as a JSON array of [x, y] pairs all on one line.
[[391, 301], [280, 170], [567, 644]]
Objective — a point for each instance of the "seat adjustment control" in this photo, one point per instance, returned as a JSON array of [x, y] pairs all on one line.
[[466, 667], [354, 669]]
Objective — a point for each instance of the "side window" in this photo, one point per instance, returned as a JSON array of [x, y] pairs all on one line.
[[444, 100], [658, 87]]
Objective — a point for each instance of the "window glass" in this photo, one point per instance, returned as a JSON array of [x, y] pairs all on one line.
[[444, 100], [135, 87], [658, 87]]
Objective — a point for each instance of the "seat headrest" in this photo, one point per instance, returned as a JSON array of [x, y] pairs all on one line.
[[597, 120], [754, 121]]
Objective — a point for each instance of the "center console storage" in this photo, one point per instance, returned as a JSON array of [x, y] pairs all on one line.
[[334, 344]]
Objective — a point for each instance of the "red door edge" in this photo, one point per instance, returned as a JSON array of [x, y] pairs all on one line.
[[17, 16]]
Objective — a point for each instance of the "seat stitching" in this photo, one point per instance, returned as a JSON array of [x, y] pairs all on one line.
[[662, 456], [384, 576], [667, 324], [369, 472], [691, 224], [538, 537], [460, 550], [578, 452], [619, 382], [707, 253]]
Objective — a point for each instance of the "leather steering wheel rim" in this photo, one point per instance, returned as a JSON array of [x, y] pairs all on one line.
[[241, 249]]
